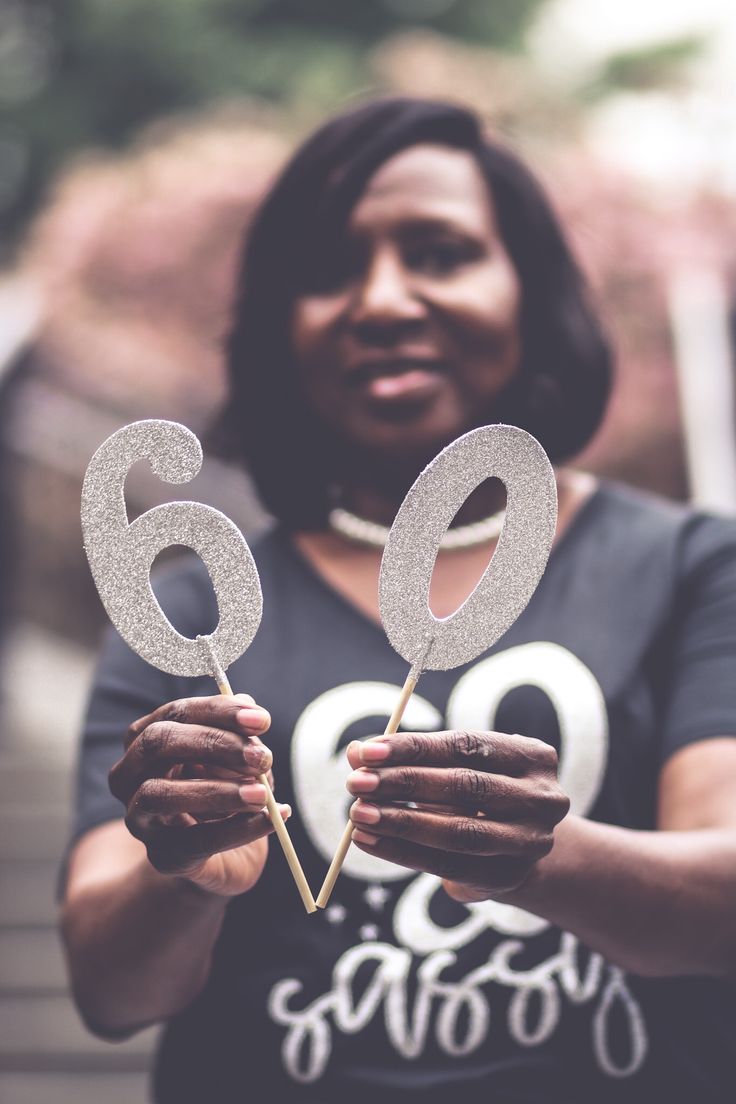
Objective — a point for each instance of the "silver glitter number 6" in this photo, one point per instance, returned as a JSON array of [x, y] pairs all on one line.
[[517, 565], [121, 554]]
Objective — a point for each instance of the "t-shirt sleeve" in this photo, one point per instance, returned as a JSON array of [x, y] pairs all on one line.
[[700, 692], [125, 688]]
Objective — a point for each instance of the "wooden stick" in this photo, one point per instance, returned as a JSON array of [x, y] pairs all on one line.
[[223, 685], [344, 845]]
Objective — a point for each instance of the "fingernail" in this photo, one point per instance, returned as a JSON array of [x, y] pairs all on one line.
[[363, 781], [374, 751], [285, 811], [253, 719], [365, 813], [365, 837], [253, 793]]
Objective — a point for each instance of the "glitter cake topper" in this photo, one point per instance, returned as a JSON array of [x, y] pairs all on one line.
[[432, 643], [519, 461], [121, 554]]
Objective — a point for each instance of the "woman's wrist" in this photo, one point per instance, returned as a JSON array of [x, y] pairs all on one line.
[[545, 876], [540, 881], [180, 887]]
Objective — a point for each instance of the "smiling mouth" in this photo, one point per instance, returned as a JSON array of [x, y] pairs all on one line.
[[393, 367], [398, 383]]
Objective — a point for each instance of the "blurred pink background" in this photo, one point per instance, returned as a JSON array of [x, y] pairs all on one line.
[[115, 296]]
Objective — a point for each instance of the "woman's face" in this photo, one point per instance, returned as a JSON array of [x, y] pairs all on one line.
[[414, 331]]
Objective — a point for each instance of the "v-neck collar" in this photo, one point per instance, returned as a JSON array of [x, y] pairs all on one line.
[[337, 597]]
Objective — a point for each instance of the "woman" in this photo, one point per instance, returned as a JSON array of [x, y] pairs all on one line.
[[404, 281]]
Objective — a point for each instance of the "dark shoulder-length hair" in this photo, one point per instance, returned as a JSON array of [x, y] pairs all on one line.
[[558, 395]]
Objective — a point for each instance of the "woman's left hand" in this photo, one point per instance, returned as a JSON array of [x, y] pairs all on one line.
[[486, 806]]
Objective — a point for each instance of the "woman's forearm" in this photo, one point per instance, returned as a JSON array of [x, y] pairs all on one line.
[[139, 946], [657, 903]]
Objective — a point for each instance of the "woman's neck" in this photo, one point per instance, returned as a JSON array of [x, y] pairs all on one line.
[[352, 569], [381, 504]]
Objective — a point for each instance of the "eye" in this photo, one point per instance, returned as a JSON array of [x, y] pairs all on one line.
[[440, 257]]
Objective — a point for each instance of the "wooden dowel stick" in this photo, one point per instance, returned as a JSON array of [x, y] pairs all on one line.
[[344, 845], [223, 685]]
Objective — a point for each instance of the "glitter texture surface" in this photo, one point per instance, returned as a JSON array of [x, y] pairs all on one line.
[[120, 555], [519, 461]]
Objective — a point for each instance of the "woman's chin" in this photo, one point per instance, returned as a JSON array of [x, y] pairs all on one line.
[[414, 436]]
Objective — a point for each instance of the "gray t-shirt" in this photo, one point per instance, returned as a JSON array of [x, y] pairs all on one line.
[[625, 654]]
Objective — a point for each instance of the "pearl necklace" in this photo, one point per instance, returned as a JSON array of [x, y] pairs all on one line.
[[370, 533]]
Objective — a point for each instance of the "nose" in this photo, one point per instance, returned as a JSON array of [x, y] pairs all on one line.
[[385, 298]]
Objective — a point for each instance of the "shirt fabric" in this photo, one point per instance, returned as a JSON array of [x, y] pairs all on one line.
[[624, 655]]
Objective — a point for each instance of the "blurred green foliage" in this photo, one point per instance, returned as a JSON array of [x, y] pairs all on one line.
[[648, 67], [92, 72]]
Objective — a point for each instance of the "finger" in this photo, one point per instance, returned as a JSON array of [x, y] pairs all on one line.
[[483, 751], [467, 835], [459, 787], [238, 714], [222, 774], [163, 743], [174, 850], [163, 797], [484, 873]]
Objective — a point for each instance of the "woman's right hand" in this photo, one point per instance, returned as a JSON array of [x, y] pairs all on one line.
[[189, 782]]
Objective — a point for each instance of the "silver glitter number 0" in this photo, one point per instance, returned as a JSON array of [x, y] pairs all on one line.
[[519, 461], [121, 554]]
